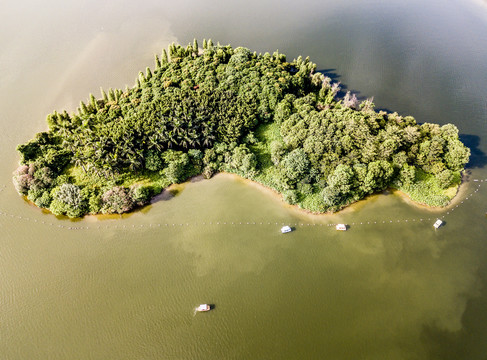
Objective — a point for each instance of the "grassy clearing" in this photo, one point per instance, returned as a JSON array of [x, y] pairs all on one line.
[[425, 190], [146, 178], [266, 134]]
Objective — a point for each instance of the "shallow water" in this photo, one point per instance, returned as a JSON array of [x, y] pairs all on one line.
[[390, 287]]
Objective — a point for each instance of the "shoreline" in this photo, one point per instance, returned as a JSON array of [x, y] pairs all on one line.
[[461, 189], [174, 190]]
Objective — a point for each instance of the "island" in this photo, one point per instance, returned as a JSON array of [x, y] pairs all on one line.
[[223, 109]]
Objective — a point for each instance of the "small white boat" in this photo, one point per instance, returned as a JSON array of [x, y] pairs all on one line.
[[437, 223], [341, 227], [286, 229], [203, 307]]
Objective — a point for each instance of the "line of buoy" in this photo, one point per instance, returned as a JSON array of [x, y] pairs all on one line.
[[5, 213]]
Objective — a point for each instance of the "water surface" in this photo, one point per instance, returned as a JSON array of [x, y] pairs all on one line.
[[125, 287]]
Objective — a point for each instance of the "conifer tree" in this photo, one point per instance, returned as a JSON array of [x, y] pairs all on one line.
[[195, 47], [164, 57], [93, 101], [148, 73], [142, 77], [83, 109], [157, 62], [118, 93], [172, 51], [104, 95], [111, 95], [205, 45]]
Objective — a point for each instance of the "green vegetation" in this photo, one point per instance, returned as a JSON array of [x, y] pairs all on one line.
[[222, 109]]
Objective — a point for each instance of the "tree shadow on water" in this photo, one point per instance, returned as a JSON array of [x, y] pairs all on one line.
[[478, 159], [332, 74], [165, 195]]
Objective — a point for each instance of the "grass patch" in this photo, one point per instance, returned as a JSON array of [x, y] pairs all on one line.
[[425, 189]]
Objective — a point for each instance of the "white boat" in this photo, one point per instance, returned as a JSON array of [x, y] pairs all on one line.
[[286, 229], [341, 227], [203, 307], [437, 223]]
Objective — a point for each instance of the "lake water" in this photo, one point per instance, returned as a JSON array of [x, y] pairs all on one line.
[[391, 287]]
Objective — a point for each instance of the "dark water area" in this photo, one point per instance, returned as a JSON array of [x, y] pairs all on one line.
[[125, 287]]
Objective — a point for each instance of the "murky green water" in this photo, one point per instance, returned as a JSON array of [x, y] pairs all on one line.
[[124, 288]]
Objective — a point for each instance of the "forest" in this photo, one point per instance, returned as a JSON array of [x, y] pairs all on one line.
[[203, 110]]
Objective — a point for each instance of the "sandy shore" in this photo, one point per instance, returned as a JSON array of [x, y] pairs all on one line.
[[352, 207]]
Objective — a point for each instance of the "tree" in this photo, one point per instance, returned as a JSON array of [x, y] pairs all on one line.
[[407, 175], [235, 110], [153, 161], [68, 200], [117, 200], [457, 155], [277, 151], [445, 178], [331, 197], [295, 164], [341, 179]]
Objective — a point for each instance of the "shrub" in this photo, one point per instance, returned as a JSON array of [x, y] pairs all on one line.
[[45, 175], [290, 196], [208, 172], [22, 183], [68, 200], [331, 196], [295, 164], [176, 168], [445, 178], [44, 201], [117, 200], [153, 161], [34, 193], [305, 189], [277, 150], [69, 194], [94, 203], [140, 194]]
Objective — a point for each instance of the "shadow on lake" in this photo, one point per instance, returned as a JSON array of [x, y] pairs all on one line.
[[332, 74], [168, 193], [478, 159]]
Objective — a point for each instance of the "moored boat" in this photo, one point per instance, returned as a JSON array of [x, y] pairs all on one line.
[[437, 223], [203, 307], [286, 229], [341, 227]]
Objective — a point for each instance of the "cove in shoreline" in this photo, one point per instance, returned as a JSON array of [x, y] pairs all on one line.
[[461, 189]]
